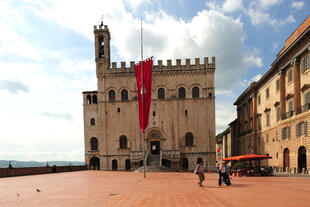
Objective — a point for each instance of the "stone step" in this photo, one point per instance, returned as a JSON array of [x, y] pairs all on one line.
[[155, 169]]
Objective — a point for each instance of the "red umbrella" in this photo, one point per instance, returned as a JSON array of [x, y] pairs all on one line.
[[247, 157]]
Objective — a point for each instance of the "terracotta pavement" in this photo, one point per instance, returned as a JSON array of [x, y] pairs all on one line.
[[101, 188]]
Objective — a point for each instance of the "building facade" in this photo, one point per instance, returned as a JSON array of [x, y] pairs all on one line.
[[224, 145], [273, 113], [181, 127]]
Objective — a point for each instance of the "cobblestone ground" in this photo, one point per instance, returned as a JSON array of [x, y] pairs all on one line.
[[99, 188]]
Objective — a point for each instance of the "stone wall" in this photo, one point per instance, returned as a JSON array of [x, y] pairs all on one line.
[[11, 171]]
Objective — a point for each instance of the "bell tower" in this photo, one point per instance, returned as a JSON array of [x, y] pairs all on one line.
[[102, 47]]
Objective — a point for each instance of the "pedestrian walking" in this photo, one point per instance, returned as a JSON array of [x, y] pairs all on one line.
[[199, 170], [222, 172], [227, 179]]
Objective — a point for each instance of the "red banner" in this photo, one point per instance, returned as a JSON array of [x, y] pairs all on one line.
[[147, 82]]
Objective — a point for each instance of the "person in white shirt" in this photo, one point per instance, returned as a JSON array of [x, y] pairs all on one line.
[[222, 173], [199, 170]]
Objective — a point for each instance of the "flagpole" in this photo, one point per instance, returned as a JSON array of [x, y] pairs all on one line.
[[143, 138]]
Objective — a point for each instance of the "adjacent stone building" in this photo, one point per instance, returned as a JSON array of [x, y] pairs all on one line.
[[181, 127], [273, 113]]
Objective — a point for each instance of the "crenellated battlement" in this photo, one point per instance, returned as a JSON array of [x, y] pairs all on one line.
[[99, 28], [206, 65]]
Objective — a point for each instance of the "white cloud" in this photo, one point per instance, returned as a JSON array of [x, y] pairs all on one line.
[[268, 3], [13, 86], [224, 116], [298, 5], [257, 77], [232, 5], [227, 6], [258, 16]]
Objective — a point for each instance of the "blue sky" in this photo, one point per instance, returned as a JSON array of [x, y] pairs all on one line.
[[47, 58]]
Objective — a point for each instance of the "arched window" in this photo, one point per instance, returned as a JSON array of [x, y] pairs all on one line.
[[92, 122], [101, 47], [161, 93], [182, 92], [189, 139], [88, 97], [124, 95], [123, 142], [94, 99], [94, 143], [195, 92], [111, 95]]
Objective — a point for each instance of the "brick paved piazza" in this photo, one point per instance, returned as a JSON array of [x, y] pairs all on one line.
[[98, 188]]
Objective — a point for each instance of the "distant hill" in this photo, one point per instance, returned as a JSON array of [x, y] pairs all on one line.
[[15, 163]]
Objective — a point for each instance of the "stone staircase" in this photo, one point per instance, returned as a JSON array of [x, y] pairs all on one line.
[[153, 160]]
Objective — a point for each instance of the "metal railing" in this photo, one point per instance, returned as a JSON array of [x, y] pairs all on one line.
[[289, 114], [305, 108]]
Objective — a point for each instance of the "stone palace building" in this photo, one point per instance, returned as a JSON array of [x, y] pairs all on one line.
[[273, 114], [181, 127]]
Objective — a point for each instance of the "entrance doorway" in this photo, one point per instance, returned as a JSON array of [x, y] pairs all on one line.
[[302, 158], [185, 164], [114, 164], [127, 164], [286, 159], [155, 147], [94, 163]]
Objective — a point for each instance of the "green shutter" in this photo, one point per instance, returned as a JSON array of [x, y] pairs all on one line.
[[288, 132], [297, 130], [305, 128], [302, 66], [282, 133]]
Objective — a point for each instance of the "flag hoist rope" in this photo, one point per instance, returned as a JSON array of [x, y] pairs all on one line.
[[143, 138]]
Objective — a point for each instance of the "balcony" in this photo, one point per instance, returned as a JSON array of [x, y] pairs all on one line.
[[305, 108], [289, 114]]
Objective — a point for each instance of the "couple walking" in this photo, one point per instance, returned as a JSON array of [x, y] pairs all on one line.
[[223, 173]]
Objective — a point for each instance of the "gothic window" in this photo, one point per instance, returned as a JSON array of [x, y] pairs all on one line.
[[111, 95], [94, 99], [88, 97], [124, 95], [101, 47], [94, 143], [189, 139], [123, 142], [182, 92], [161, 93], [92, 122], [195, 92]]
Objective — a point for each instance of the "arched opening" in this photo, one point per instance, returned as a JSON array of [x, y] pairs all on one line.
[[189, 139], [101, 47], [182, 92], [127, 164], [141, 163], [166, 163], [184, 163], [94, 99], [161, 93], [124, 95], [94, 143], [199, 160], [195, 92], [302, 159], [92, 122], [88, 98], [94, 163], [286, 160], [114, 164], [123, 142], [111, 95]]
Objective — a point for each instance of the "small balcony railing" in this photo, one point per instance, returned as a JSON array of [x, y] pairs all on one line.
[[289, 114], [305, 108]]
